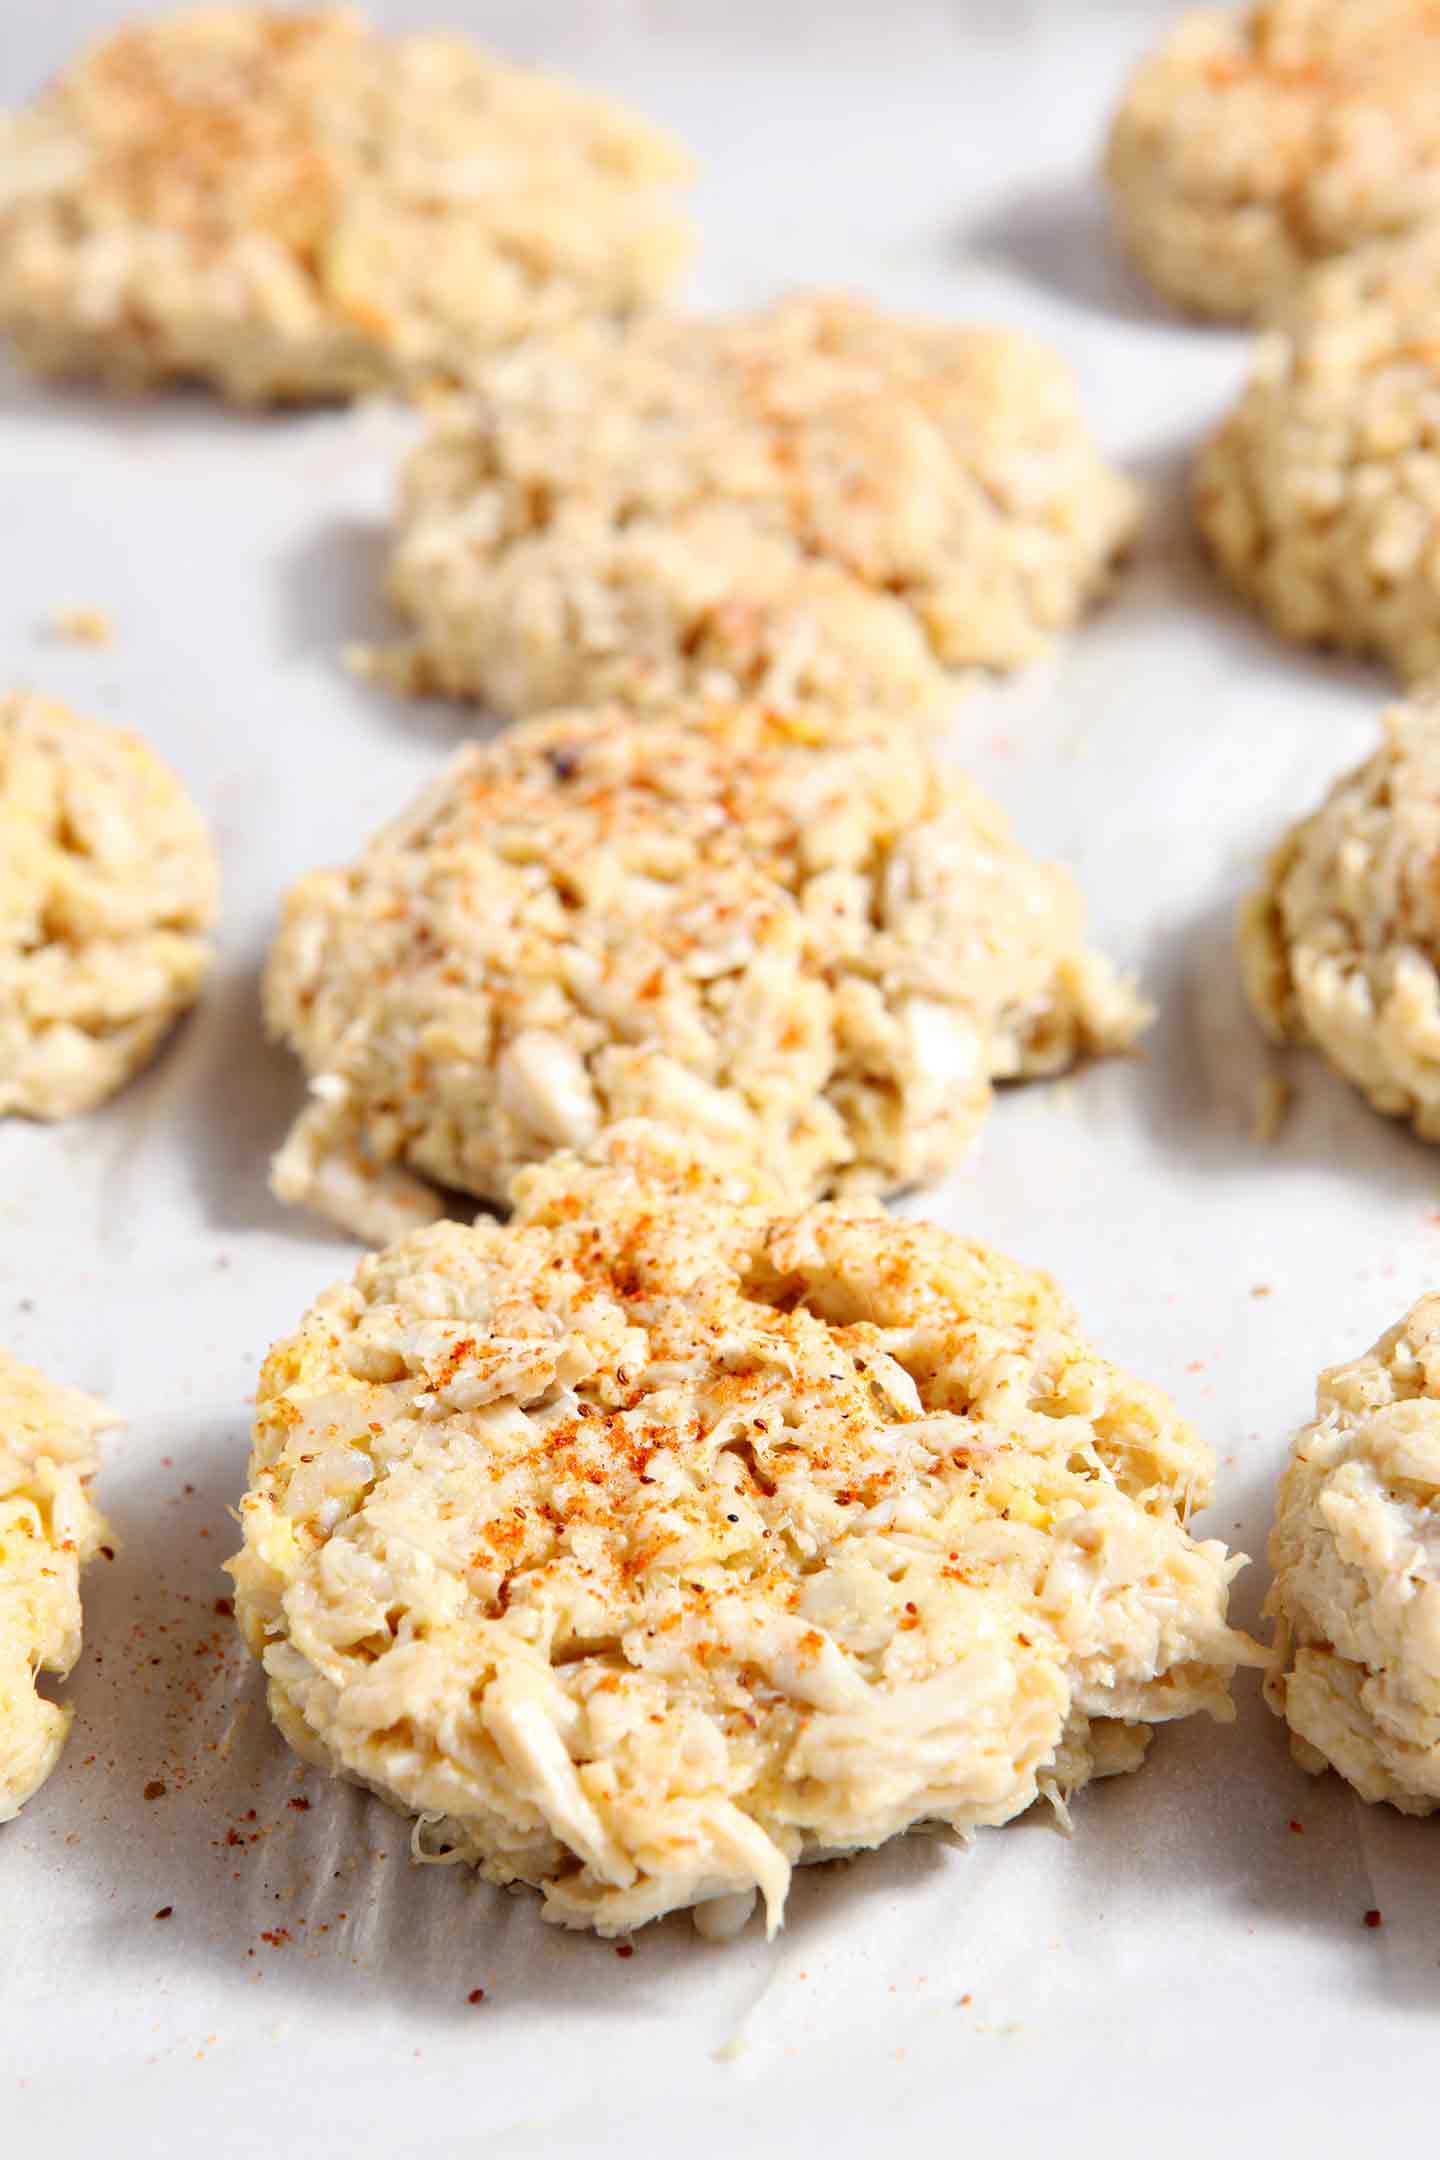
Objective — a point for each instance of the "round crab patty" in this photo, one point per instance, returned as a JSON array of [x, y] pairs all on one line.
[[818, 502], [108, 888], [1250, 145], [1319, 496], [49, 1528], [817, 955], [1356, 1553], [290, 206], [662, 1538], [1341, 945]]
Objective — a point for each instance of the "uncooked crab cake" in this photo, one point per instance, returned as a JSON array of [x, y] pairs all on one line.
[[1340, 947], [108, 887], [662, 1538], [821, 501], [49, 1528], [1319, 497], [291, 207], [1355, 1670], [1250, 145], [821, 956]]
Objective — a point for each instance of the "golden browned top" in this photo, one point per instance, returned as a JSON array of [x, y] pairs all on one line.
[[652, 1315], [108, 887], [216, 117], [818, 952], [221, 118], [293, 206], [663, 1534]]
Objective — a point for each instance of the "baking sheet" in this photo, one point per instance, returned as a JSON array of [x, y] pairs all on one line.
[[1196, 1958]]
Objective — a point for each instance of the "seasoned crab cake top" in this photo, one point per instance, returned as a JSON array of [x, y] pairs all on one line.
[[1252, 144], [108, 886], [662, 1538], [1356, 1552], [820, 956], [817, 501], [49, 1527], [1341, 944], [290, 206], [1319, 496]]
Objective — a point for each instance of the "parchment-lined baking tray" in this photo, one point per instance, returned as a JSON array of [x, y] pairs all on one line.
[[1191, 1965]]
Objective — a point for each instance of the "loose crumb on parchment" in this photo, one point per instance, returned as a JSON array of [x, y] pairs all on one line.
[[81, 625]]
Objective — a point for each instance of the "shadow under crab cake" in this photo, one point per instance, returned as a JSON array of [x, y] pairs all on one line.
[[332, 585], [1056, 236], [201, 1840]]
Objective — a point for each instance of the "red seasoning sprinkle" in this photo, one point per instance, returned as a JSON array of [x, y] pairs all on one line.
[[1373, 1918], [624, 1949], [165, 1912], [476, 1995], [300, 1805], [224, 1607], [155, 1790], [1297, 1827]]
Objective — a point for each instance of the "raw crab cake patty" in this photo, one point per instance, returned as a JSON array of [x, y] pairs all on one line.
[[1355, 1670], [1340, 947], [660, 1539], [819, 956], [291, 207], [820, 500], [49, 1528], [1250, 145], [108, 886], [1319, 497]]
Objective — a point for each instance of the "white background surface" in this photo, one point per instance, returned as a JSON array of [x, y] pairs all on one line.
[[1189, 1967]]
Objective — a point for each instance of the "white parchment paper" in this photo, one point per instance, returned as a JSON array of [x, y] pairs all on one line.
[[1194, 1965]]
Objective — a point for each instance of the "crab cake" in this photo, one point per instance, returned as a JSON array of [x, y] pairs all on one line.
[[49, 1528], [107, 888], [662, 1538], [291, 207], [818, 956], [1319, 497], [1341, 945], [1251, 145], [1355, 1670], [819, 501]]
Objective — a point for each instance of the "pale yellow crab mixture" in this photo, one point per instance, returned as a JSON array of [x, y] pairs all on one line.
[[108, 892], [1319, 496], [1252, 143], [819, 502], [290, 206], [821, 957], [1355, 1670], [663, 1538], [49, 1529], [1340, 946]]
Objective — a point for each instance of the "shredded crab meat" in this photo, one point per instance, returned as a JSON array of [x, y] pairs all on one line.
[[291, 206], [1319, 495], [1355, 1669], [108, 889], [1341, 944], [1254, 143], [49, 1529], [820, 957], [763, 1535], [819, 505]]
